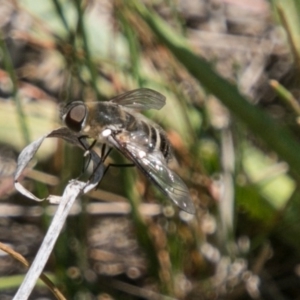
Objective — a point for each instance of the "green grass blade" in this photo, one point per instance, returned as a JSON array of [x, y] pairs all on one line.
[[276, 136]]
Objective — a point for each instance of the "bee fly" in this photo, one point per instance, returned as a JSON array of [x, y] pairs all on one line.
[[116, 124]]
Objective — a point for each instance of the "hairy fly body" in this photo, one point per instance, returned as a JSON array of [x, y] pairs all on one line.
[[116, 124]]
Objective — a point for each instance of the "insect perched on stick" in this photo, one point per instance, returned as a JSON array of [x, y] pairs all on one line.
[[116, 124]]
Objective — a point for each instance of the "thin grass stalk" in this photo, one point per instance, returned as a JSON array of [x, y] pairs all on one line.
[[47, 281], [88, 58], [141, 228], [291, 23], [286, 96], [73, 62], [61, 14], [10, 70], [133, 49]]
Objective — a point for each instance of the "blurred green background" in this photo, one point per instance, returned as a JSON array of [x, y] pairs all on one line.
[[229, 70]]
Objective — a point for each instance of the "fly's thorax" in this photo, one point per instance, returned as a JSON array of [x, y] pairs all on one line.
[[106, 113], [100, 116]]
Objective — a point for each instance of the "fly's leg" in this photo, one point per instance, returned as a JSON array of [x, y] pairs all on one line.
[[105, 155], [119, 166], [86, 153]]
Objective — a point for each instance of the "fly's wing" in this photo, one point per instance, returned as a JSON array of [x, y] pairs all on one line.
[[154, 166], [141, 99]]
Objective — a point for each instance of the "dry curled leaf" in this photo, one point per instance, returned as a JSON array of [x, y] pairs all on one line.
[[28, 153], [71, 192]]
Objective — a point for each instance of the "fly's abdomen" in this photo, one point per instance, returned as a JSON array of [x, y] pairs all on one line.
[[151, 137], [156, 140], [165, 147]]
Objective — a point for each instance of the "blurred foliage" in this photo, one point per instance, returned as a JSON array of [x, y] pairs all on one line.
[[235, 139]]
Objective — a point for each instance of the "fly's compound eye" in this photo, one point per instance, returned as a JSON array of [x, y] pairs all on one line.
[[75, 117]]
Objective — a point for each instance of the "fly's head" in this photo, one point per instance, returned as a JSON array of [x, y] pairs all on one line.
[[74, 115]]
